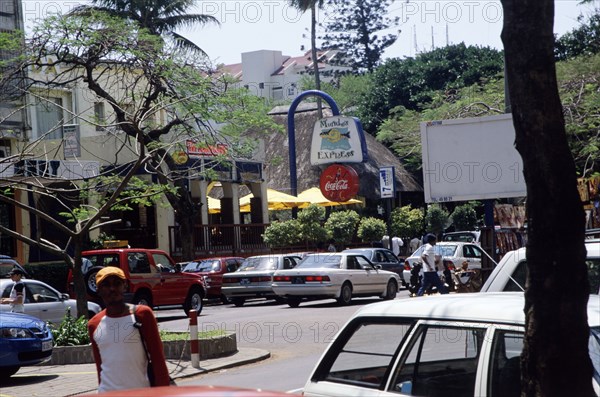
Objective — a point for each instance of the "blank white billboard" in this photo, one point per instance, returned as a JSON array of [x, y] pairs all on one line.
[[471, 159]]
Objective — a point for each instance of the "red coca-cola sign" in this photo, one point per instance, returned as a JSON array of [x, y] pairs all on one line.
[[339, 183]]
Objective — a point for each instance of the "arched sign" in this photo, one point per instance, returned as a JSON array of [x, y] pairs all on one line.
[[339, 183]]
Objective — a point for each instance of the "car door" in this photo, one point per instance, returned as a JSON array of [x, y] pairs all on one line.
[[169, 289], [388, 261], [472, 255], [357, 273], [373, 280], [45, 302]]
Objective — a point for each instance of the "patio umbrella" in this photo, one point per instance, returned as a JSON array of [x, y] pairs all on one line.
[[276, 201], [314, 196], [214, 205]]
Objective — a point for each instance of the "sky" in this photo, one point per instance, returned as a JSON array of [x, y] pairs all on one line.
[[252, 25]]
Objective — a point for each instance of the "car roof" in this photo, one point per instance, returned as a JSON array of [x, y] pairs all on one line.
[[507, 308]]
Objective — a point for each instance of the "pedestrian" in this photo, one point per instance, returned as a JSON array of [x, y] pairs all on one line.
[[431, 261], [16, 299], [414, 244], [397, 243], [125, 340], [331, 247], [385, 241]]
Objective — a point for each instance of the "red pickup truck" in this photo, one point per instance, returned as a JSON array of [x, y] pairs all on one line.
[[153, 278]]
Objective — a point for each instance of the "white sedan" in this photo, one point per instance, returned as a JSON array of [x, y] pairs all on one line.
[[44, 302], [341, 276], [445, 345]]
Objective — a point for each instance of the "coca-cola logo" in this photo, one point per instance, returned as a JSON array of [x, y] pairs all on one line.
[[339, 183]]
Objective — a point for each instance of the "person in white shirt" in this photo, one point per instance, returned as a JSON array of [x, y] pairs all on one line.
[[16, 299], [414, 244], [396, 244], [431, 261]]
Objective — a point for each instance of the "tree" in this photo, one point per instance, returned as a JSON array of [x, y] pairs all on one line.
[[413, 82], [436, 219], [555, 359], [160, 97], [371, 229], [584, 40], [312, 5], [160, 17], [407, 221], [464, 217], [353, 28], [341, 226]]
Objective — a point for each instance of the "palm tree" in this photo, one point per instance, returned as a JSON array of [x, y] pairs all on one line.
[[160, 17], [303, 6]]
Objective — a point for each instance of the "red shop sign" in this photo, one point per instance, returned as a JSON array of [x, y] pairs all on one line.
[[339, 183]]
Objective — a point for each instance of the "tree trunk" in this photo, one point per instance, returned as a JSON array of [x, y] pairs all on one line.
[[78, 281], [186, 223], [555, 360]]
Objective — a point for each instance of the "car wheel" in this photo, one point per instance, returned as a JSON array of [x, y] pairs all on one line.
[[391, 290], [345, 294], [7, 372], [294, 302], [142, 298], [238, 302], [193, 301], [90, 281]]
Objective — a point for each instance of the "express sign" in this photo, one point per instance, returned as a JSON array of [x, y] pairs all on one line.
[[339, 183]]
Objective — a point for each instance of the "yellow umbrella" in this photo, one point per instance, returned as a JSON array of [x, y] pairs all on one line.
[[314, 196], [276, 201], [214, 205]]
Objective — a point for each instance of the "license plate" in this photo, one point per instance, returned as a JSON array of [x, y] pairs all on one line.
[[297, 280], [46, 345], [245, 281]]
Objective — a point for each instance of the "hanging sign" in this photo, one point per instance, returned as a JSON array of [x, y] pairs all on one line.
[[339, 183], [386, 182], [338, 139]]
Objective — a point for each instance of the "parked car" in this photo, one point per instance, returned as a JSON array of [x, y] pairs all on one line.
[[254, 277], [7, 264], [44, 302], [445, 345], [212, 270], [384, 258], [153, 278], [511, 271], [465, 236], [453, 255], [195, 391], [24, 341], [340, 276]]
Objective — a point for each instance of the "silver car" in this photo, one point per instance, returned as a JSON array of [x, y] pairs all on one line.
[[254, 277], [44, 302]]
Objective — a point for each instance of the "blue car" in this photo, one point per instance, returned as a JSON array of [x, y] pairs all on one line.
[[24, 340]]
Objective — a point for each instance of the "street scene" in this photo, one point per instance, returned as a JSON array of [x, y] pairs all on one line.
[[341, 198]]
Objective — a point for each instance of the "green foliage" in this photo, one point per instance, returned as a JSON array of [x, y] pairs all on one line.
[[357, 30], [341, 225], [464, 217], [347, 91], [371, 229], [71, 331], [436, 219], [584, 40], [281, 234], [407, 221], [310, 220], [413, 82]]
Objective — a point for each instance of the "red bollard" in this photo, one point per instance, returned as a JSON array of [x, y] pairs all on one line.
[[194, 346]]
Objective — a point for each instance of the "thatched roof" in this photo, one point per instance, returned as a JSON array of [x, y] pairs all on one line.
[[277, 168]]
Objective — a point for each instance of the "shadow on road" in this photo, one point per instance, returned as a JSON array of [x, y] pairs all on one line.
[[22, 380]]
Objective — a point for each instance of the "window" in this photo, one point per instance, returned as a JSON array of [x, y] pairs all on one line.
[[138, 263], [516, 282], [40, 293], [470, 251], [277, 93], [163, 263], [49, 115], [440, 360], [504, 378], [99, 116], [363, 355]]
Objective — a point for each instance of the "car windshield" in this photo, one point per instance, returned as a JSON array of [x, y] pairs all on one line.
[[202, 266], [321, 260], [259, 263]]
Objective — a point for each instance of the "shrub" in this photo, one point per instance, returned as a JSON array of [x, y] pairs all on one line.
[[464, 217], [407, 221], [341, 226], [371, 229], [282, 234], [437, 219], [71, 331], [311, 229]]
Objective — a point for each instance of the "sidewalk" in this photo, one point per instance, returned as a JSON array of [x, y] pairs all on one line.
[[72, 380]]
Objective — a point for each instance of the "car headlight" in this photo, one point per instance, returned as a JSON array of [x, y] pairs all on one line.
[[15, 333], [207, 279]]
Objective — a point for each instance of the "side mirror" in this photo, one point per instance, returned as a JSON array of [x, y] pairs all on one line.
[[377, 267], [64, 297]]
